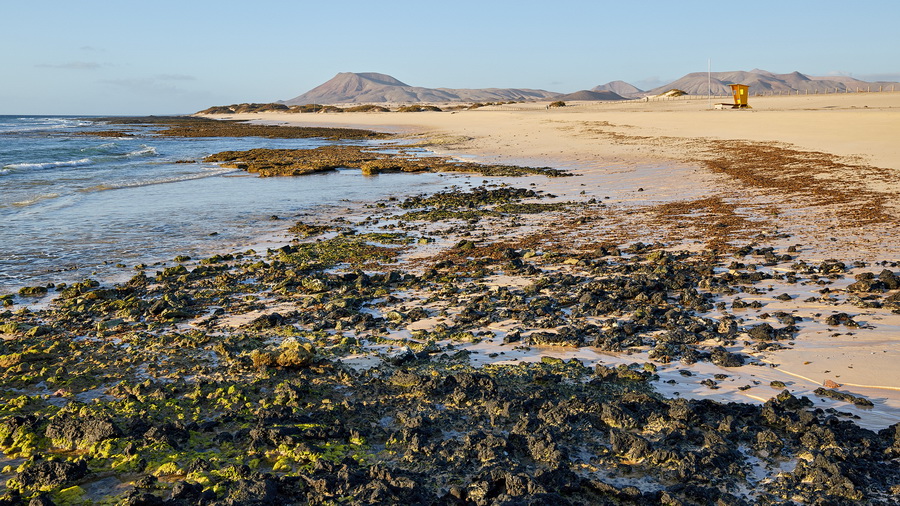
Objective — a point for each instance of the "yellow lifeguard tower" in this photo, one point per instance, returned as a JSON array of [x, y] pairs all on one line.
[[741, 93]]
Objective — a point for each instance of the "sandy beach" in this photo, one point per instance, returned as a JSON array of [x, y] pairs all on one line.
[[641, 303], [828, 183], [841, 150], [855, 124]]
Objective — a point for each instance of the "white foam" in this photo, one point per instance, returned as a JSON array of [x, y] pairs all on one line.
[[35, 200], [47, 165], [150, 182], [100, 148], [41, 125], [144, 151]]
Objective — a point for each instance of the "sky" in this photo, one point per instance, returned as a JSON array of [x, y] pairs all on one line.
[[102, 57]]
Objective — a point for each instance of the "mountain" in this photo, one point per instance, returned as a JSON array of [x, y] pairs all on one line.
[[371, 87], [590, 95], [760, 81], [621, 88]]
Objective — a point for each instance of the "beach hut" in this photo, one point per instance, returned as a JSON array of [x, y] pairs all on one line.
[[741, 93]]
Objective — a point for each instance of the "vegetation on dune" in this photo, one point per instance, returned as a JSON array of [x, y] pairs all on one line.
[[276, 107], [419, 108], [245, 108], [367, 108]]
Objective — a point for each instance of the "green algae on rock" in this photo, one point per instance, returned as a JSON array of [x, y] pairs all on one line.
[[295, 162], [229, 380]]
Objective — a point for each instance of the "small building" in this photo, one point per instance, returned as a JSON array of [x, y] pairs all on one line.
[[740, 92]]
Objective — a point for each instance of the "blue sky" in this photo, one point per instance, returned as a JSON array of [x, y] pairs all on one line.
[[164, 57]]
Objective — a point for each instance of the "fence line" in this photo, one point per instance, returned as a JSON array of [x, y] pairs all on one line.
[[881, 89]]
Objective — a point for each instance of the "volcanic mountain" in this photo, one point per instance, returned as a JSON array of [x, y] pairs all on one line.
[[760, 81], [590, 95], [371, 87], [620, 88]]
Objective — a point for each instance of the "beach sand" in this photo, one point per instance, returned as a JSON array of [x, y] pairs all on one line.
[[499, 338], [664, 148], [817, 172]]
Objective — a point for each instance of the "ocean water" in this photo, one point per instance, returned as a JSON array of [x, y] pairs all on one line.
[[73, 206]]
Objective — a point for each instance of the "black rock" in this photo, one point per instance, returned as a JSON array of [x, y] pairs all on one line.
[[73, 430], [724, 358], [842, 396], [52, 473], [761, 332]]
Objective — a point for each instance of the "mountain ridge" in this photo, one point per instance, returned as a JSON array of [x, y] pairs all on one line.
[[621, 88], [760, 81], [374, 88]]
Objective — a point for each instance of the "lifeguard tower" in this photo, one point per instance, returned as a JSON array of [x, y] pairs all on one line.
[[740, 92]]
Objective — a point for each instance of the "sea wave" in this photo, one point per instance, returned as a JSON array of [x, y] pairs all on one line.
[[47, 165], [25, 125], [144, 151], [35, 199], [101, 148], [150, 182]]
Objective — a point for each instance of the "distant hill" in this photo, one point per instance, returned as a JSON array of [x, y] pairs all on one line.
[[370, 87], [374, 88], [760, 81], [620, 88], [590, 95]]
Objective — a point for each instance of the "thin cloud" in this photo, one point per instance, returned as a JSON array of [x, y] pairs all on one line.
[[75, 65], [175, 77], [891, 78], [648, 83], [151, 86], [142, 83]]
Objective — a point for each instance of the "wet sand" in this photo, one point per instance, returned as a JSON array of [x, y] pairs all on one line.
[[824, 173], [508, 339]]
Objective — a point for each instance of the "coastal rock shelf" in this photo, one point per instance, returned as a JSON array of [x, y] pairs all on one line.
[[371, 161], [187, 126], [390, 357]]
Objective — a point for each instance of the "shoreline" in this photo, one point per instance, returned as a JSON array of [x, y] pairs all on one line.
[[632, 143], [517, 325], [599, 141], [616, 183]]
